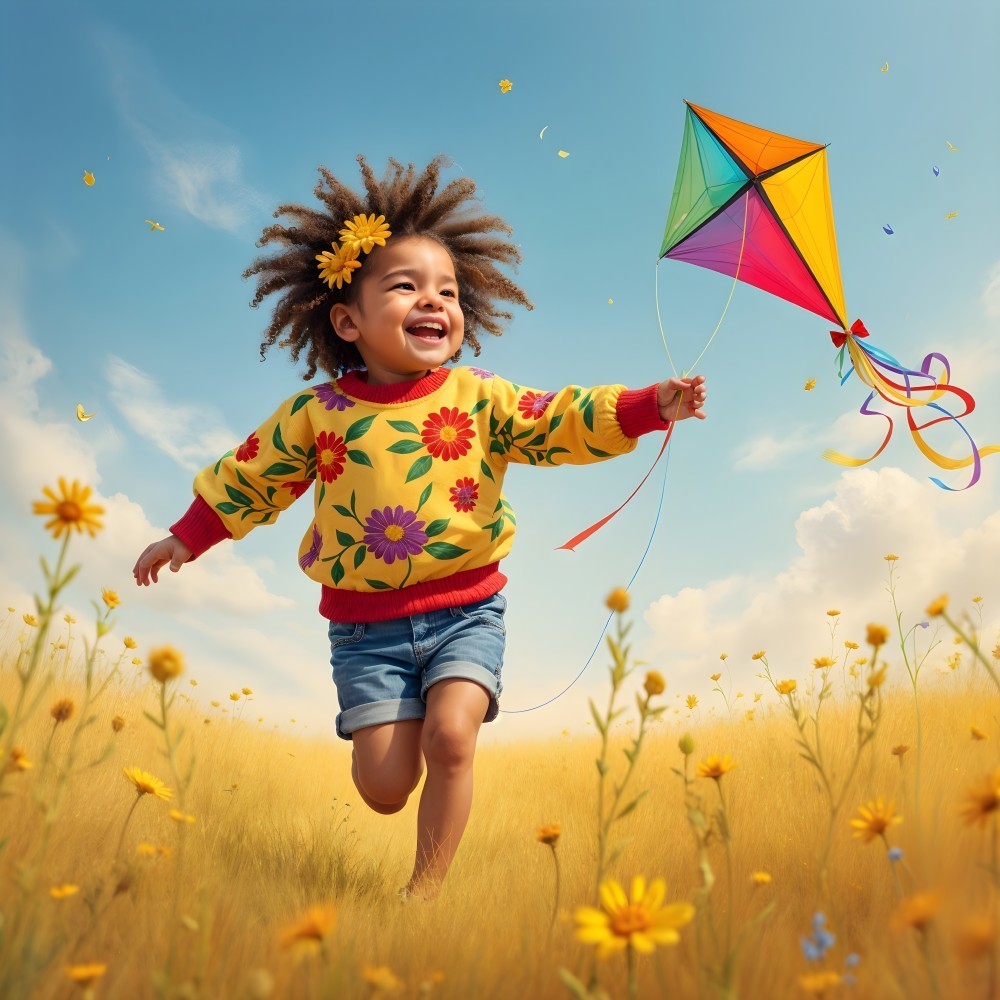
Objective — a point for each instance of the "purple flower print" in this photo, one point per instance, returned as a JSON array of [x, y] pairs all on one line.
[[394, 534], [315, 548], [332, 398], [482, 373]]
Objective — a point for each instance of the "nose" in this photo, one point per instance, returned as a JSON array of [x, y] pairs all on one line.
[[431, 299]]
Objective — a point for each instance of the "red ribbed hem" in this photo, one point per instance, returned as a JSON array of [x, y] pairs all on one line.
[[638, 412], [354, 384], [431, 595], [200, 528]]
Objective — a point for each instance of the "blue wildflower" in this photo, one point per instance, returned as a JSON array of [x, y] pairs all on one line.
[[814, 948], [895, 853]]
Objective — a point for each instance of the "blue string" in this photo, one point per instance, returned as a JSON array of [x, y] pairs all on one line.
[[597, 645]]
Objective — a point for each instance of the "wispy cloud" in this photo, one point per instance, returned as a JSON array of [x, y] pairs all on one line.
[[991, 291], [195, 160], [191, 435], [767, 451]]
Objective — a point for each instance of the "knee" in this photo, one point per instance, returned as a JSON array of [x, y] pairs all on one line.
[[449, 746], [384, 794]]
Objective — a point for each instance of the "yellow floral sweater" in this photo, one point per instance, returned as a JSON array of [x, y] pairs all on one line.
[[410, 514]]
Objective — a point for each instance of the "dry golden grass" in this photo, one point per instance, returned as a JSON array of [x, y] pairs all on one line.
[[279, 828]]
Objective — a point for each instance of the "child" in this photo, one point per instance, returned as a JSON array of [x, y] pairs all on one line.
[[407, 460]]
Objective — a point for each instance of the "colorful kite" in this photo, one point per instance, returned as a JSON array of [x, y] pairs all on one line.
[[755, 205]]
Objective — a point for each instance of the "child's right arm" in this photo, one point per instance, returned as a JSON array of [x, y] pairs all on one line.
[[154, 557]]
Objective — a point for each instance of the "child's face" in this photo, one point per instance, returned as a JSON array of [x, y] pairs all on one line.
[[406, 284]]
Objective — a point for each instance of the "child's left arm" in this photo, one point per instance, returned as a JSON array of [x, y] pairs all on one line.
[[680, 398]]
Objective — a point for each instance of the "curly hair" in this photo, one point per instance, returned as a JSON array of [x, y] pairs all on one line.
[[413, 206]]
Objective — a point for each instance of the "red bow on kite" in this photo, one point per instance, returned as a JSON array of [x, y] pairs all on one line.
[[857, 330]]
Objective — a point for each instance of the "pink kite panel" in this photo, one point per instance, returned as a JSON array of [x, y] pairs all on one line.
[[770, 262]]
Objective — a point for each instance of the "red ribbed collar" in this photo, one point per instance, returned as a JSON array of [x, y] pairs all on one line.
[[355, 384]]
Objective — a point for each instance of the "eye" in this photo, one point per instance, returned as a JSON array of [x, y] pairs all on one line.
[[451, 292], [403, 284]]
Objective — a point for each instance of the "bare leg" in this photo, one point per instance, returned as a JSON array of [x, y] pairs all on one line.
[[455, 711]]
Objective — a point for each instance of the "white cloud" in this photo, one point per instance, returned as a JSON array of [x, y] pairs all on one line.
[[943, 547], [194, 161], [767, 451], [191, 435]]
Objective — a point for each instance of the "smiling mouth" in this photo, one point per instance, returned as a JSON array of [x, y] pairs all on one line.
[[431, 334]]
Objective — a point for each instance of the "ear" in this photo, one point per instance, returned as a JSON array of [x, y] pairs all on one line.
[[343, 321]]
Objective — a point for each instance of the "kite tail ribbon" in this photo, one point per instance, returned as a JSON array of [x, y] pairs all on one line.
[[597, 525], [902, 386]]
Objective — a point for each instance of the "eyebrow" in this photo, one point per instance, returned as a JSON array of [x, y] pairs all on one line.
[[410, 272]]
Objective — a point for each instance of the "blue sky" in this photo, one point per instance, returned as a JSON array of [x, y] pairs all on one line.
[[206, 119]]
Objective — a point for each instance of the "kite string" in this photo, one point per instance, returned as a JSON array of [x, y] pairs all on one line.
[[666, 468]]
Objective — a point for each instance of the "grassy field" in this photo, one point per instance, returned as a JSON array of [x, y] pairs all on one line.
[[285, 884]]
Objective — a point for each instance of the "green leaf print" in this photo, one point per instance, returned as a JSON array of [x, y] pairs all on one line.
[[227, 508], [277, 441], [405, 447], [486, 469], [344, 538], [419, 468], [436, 527], [359, 555], [300, 402], [555, 422], [359, 428], [478, 406], [536, 441], [221, 460], [588, 415], [597, 453], [377, 584], [337, 572], [444, 550], [282, 469], [404, 426], [356, 455], [555, 451], [423, 496], [237, 497]]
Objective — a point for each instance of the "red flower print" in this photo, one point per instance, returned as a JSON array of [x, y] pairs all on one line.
[[330, 454], [464, 494], [248, 449], [448, 434], [534, 404], [298, 488]]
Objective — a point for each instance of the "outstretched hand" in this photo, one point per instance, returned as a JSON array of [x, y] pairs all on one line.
[[168, 550], [680, 398]]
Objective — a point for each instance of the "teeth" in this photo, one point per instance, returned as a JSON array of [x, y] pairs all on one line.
[[429, 326]]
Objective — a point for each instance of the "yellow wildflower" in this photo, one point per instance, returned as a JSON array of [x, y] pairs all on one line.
[[193, 682], [146, 850], [69, 619], [69, 511], [977, 600], [129, 642], [18, 760], [757, 696], [877, 677], [364, 232], [147, 784], [759, 654], [549, 834], [937, 607], [84, 975], [819, 983], [309, 931], [917, 911], [982, 800], [381, 978], [63, 891], [654, 683], [891, 557], [336, 267], [692, 701], [750, 714], [723, 656], [833, 612], [136, 662], [234, 696], [505, 86], [875, 819], [29, 620], [900, 750], [760, 878], [715, 766], [179, 817], [786, 687], [640, 923], [165, 663], [214, 704], [877, 635], [62, 709], [822, 662], [850, 645], [715, 677], [617, 600], [247, 691]]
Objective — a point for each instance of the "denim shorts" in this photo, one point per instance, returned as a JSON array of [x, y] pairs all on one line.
[[383, 669]]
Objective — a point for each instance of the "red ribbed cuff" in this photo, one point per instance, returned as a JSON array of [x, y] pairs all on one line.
[[638, 412], [200, 528]]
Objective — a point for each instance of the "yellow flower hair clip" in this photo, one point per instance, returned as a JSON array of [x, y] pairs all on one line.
[[361, 233]]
